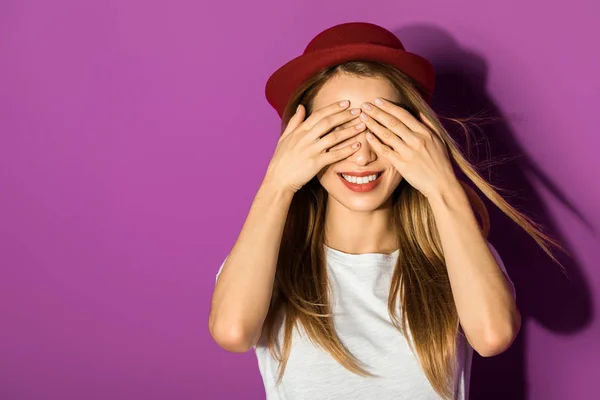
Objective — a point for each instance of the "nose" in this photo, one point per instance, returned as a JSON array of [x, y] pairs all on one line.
[[365, 154]]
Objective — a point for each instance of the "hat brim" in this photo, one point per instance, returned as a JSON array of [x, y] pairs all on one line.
[[286, 80]]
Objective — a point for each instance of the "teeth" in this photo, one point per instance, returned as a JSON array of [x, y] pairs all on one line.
[[360, 179]]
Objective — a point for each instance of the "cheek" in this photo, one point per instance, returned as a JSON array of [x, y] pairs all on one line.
[[326, 176], [395, 178], [322, 176], [325, 171]]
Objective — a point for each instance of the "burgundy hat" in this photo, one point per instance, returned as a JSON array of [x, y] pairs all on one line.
[[347, 42]]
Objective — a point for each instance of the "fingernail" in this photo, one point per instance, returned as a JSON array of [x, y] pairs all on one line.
[[364, 117], [355, 111], [355, 145], [298, 108], [360, 126], [344, 103], [367, 106], [378, 101], [369, 135]]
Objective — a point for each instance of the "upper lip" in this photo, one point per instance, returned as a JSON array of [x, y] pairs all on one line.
[[364, 173]]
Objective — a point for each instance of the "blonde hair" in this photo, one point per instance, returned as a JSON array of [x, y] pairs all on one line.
[[420, 283]]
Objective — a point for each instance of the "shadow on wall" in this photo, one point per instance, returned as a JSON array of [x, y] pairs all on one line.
[[544, 294]]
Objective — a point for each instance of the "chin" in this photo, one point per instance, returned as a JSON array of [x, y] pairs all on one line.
[[360, 204]]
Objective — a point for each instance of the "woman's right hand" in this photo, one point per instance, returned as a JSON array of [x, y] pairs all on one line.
[[302, 150]]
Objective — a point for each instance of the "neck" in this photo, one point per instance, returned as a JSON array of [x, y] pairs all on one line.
[[358, 232]]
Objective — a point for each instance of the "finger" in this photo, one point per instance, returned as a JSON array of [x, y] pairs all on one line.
[[403, 115], [347, 141], [324, 112], [325, 126], [334, 156], [352, 122], [384, 150], [385, 135], [389, 121], [294, 121], [334, 138]]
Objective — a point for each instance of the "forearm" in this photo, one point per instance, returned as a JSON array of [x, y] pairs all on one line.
[[243, 290], [484, 301]]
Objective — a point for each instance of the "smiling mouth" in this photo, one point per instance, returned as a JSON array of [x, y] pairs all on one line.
[[360, 180]]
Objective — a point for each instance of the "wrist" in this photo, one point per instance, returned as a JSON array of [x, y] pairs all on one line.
[[451, 195], [274, 189]]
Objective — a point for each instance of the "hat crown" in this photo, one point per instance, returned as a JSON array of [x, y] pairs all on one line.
[[353, 33]]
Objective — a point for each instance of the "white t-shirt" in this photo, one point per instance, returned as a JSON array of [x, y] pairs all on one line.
[[361, 284]]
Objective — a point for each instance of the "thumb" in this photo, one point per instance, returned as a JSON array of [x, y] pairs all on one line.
[[296, 120]]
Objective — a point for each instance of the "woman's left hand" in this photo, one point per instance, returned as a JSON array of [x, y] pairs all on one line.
[[411, 147]]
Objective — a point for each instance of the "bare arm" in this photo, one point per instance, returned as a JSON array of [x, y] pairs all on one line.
[[243, 291], [485, 304], [484, 300]]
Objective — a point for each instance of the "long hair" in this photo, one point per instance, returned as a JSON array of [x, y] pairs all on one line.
[[420, 283]]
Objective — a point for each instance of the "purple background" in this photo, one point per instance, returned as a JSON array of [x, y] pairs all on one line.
[[135, 133]]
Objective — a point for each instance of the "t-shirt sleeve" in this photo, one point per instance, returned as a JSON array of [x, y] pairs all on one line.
[[503, 268]]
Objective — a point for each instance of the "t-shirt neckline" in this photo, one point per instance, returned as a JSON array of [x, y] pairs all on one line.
[[362, 258]]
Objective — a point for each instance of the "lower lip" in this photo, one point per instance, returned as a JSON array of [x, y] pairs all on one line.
[[361, 187]]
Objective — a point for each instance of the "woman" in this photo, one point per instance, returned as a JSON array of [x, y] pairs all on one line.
[[362, 271]]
